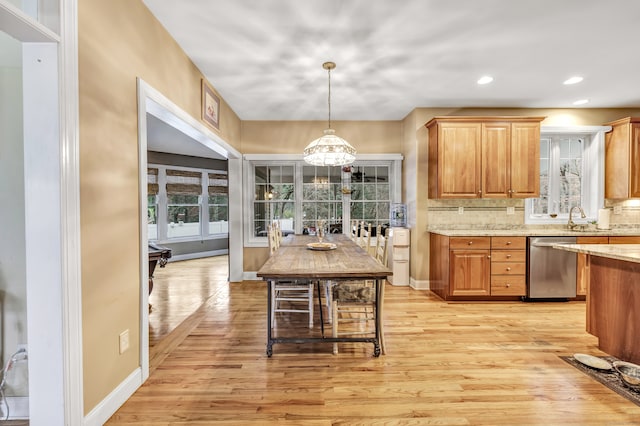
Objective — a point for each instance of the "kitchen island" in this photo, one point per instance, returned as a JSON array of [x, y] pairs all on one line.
[[613, 296]]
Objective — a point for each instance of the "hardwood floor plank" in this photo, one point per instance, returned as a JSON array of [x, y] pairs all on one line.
[[446, 364]]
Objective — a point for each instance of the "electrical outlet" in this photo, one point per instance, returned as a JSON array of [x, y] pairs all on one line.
[[617, 209], [511, 210], [124, 341], [22, 347], [460, 210]]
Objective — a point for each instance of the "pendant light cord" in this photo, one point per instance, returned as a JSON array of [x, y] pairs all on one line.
[[329, 72]]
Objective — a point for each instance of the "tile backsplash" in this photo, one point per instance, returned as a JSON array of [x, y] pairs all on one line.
[[496, 212]]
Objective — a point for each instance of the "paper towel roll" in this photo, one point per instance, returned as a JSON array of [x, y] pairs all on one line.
[[604, 216]]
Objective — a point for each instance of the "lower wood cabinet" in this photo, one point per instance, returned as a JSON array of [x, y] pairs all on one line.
[[471, 268]]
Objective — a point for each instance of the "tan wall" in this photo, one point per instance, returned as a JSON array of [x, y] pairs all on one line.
[[291, 137], [120, 40], [492, 212]]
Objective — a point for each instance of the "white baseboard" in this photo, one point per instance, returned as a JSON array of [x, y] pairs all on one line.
[[18, 408], [198, 255], [105, 409], [250, 276], [419, 284]]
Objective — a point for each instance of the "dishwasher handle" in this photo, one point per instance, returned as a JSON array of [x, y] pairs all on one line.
[[547, 244]]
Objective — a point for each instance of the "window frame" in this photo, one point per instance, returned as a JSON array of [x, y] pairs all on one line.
[[592, 189], [250, 161]]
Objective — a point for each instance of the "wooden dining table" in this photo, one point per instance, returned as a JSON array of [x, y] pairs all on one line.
[[294, 260]]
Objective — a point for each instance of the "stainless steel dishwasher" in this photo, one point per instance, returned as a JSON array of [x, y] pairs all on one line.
[[551, 272]]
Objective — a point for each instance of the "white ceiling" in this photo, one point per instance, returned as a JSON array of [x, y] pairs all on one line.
[[265, 57]]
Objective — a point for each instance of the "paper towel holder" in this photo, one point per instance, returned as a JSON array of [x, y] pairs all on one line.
[[604, 218]]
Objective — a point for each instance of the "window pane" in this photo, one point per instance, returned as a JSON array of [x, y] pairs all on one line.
[[182, 199], [382, 191], [152, 217], [544, 148], [184, 221], [356, 191], [287, 175], [283, 191], [369, 191]]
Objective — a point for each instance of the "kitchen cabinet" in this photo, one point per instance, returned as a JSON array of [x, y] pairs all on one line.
[[484, 157], [508, 266], [477, 268], [622, 159], [470, 266], [454, 159]]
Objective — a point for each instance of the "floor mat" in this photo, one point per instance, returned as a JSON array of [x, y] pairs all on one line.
[[610, 378]]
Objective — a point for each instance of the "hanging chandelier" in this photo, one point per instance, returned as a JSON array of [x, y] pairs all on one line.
[[330, 149]]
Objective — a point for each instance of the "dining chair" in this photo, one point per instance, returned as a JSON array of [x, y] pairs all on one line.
[[288, 296], [365, 236], [353, 230], [354, 305], [373, 249]]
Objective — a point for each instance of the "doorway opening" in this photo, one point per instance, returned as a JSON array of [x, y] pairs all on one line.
[[166, 130]]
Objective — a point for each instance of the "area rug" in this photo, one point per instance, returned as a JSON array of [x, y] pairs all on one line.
[[610, 378]]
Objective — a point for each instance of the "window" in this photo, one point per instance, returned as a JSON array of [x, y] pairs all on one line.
[[218, 203], [186, 204], [184, 189], [274, 198], [298, 194], [370, 195], [321, 197], [152, 203], [571, 174]]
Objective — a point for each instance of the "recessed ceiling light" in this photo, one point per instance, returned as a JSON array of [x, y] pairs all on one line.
[[573, 80], [581, 102], [485, 79]]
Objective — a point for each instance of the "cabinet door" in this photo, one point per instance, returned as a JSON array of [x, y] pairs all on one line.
[[496, 153], [525, 160], [634, 178], [459, 160], [470, 273], [616, 160]]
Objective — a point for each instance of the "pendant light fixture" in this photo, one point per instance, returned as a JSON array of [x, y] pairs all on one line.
[[330, 149]]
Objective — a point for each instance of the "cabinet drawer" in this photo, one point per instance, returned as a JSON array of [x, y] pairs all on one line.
[[617, 239], [508, 286], [592, 240], [508, 256], [510, 243], [508, 268], [469, 243]]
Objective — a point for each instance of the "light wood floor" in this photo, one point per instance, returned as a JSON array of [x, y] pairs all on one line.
[[446, 364]]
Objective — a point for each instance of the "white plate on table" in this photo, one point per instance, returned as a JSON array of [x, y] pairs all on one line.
[[593, 361], [321, 246]]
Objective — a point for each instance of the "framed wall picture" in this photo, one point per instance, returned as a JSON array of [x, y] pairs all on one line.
[[210, 105]]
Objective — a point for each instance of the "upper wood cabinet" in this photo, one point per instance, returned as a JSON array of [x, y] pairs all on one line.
[[622, 159], [490, 157]]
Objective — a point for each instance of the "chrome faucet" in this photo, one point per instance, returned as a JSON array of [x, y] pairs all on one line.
[[571, 224]]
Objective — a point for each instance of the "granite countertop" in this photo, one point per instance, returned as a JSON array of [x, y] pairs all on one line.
[[533, 230], [626, 252]]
